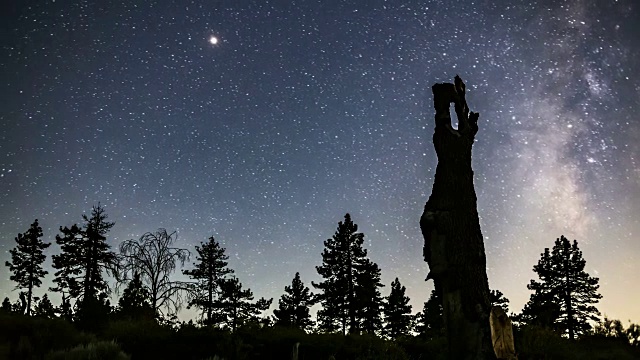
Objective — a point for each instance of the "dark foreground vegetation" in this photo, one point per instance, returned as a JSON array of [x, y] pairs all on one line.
[[35, 337]]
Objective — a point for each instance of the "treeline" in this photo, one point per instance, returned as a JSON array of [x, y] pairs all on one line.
[[355, 320]]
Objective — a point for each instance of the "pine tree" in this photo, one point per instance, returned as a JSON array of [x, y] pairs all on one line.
[[565, 294], [85, 256], [341, 257], [368, 300], [236, 305], [430, 320], [210, 269], [70, 262], [98, 254], [45, 308], [93, 312], [134, 302], [26, 261], [498, 299], [397, 311], [293, 306]]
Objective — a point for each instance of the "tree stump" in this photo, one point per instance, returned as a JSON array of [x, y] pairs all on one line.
[[454, 248], [502, 334]]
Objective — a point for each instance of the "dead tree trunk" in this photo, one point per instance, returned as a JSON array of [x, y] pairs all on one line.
[[454, 248]]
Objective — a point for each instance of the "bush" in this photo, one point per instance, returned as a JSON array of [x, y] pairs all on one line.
[[419, 347], [100, 350], [33, 337], [606, 348], [143, 339], [197, 343], [278, 343], [534, 342]]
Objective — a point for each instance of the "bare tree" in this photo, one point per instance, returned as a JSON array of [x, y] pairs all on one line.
[[154, 258]]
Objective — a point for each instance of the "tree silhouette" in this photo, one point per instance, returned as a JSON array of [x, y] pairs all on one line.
[[19, 306], [565, 294], [609, 328], [44, 308], [430, 322], [84, 256], [397, 311], [26, 262], [71, 262], [93, 313], [542, 310], [154, 258], [498, 299], [342, 255], [293, 306], [65, 310], [210, 269], [368, 300], [453, 243], [6, 305], [236, 305], [633, 334], [614, 329], [97, 251], [134, 302]]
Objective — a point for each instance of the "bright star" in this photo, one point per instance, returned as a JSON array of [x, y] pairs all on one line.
[[213, 40]]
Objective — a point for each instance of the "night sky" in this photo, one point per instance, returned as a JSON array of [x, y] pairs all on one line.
[[305, 110]]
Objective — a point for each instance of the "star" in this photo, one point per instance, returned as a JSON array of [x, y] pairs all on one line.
[[308, 112]]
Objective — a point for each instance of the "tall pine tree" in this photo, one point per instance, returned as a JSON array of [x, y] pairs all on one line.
[[368, 300], [397, 311], [26, 262], [341, 257], [236, 305], [209, 271], [81, 265], [293, 306], [565, 294]]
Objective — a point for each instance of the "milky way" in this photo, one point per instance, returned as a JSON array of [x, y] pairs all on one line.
[[302, 111]]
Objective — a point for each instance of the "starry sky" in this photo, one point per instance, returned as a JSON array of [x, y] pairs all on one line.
[[304, 110]]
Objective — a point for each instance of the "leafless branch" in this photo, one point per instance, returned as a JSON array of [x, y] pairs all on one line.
[[154, 258]]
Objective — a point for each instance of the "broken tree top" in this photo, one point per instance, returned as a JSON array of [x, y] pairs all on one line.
[[447, 93]]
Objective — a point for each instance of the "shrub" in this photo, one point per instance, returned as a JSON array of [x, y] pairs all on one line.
[[100, 350], [534, 342], [420, 347], [143, 339], [33, 337]]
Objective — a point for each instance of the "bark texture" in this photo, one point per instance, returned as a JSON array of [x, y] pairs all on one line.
[[454, 248], [502, 334]]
